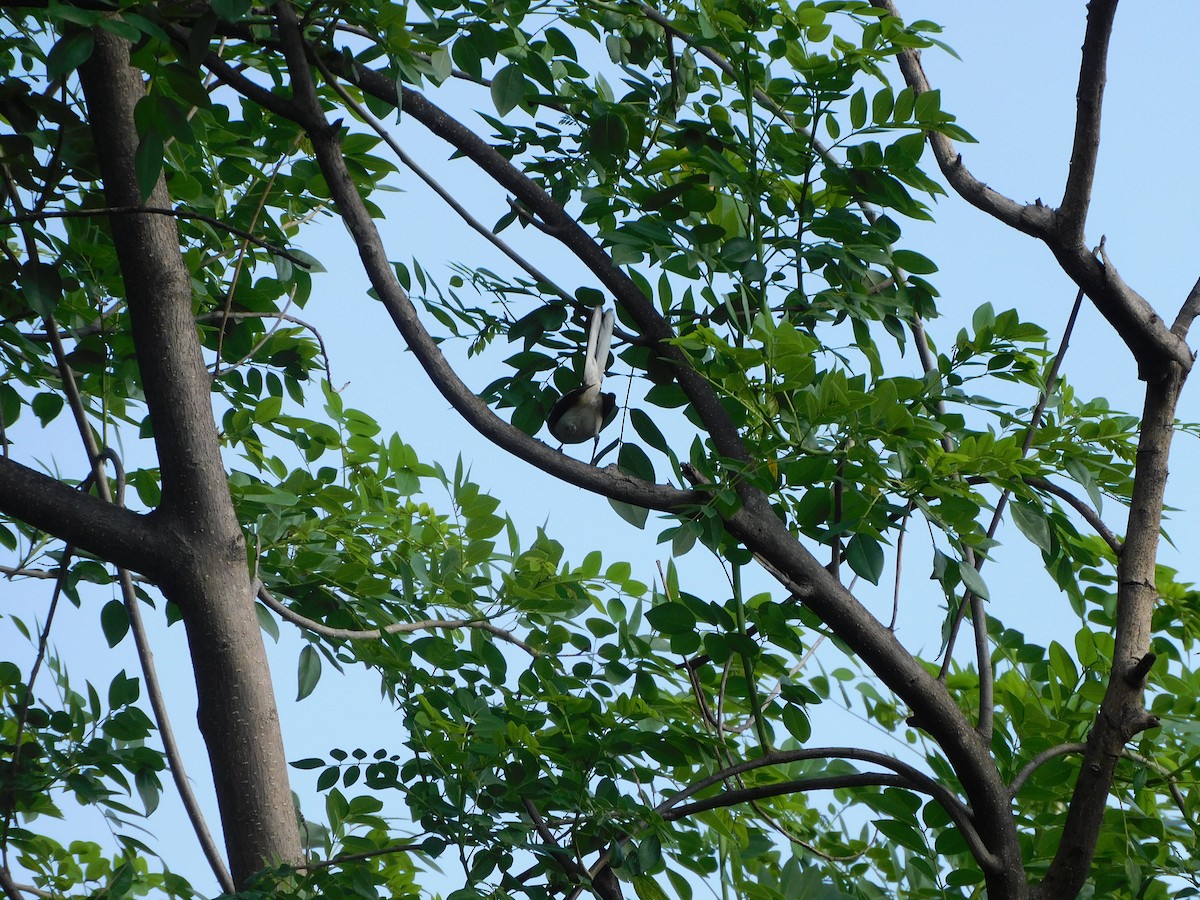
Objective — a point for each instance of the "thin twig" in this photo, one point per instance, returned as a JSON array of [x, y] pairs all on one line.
[[374, 634], [1090, 515], [96, 457], [434, 185], [161, 211]]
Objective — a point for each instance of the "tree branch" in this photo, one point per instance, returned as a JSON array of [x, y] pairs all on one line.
[[1122, 713], [906, 776], [326, 142], [1041, 759], [1152, 344], [1089, 98], [374, 634], [1188, 312], [128, 539], [1089, 514]]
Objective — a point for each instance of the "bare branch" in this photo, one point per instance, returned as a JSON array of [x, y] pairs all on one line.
[[1089, 514], [907, 776], [219, 224], [1152, 344], [1041, 759], [1089, 99], [374, 634], [1188, 312]]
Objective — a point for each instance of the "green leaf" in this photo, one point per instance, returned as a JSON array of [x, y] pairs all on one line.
[[71, 51], [671, 618], [1063, 665], [149, 789], [634, 515], [1032, 522], [266, 621], [123, 690], [148, 161], [632, 460], [42, 286], [865, 557], [508, 89], [881, 106], [858, 109], [913, 262], [231, 10], [973, 581], [46, 406], [608, 135], [114, 622], [308, 671]]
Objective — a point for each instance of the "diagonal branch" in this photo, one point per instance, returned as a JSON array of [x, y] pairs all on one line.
[[326, 143], [1152, 344], [1089, 515], [1187, 312]]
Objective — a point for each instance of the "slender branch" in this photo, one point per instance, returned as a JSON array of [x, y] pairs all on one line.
[[355, 857], [12, 572], [796, 786], [1089, 514], [1041, 759], [283, 317], [96, 457], [912, 778], [158, 704], [569, 864], [374, 634], [434, 185], [1064, 749], [220, 224]]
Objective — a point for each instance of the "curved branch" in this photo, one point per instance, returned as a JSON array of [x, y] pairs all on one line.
[[1041, 759], [908, 777], [1089, 514], [573, 237], [795, 786], [374, 634], [1152, 344], [325, 138]]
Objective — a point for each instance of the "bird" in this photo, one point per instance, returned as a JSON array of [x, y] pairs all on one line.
[[581, 414]]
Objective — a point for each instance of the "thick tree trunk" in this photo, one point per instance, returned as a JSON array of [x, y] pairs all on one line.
[[1123, 714], [210, 581]]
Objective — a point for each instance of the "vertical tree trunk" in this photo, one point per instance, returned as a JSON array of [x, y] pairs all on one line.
[[210, 582]]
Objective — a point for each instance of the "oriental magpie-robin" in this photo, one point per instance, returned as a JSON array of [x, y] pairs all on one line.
[[579, 415]]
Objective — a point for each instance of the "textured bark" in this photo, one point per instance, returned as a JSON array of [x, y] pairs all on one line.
[[209, 579], [1122, 714]]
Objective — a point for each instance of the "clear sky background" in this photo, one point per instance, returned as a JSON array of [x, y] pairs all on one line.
[[1014, 90]]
